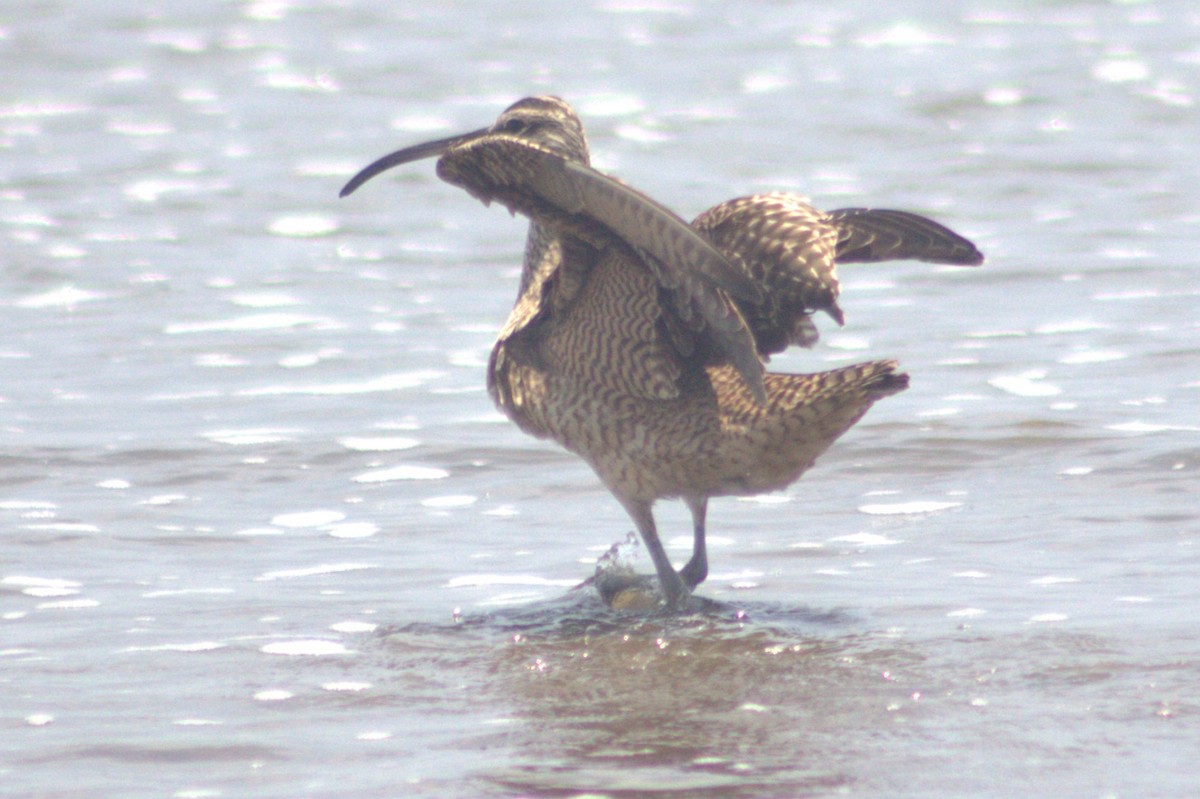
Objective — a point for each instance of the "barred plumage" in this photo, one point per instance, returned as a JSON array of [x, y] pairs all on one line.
[[637, 340]]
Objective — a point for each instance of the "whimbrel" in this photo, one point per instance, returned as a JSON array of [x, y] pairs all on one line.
[[637, 341]]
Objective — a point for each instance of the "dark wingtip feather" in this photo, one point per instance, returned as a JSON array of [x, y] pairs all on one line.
[[974, 259], [888, 381], [884, 234]]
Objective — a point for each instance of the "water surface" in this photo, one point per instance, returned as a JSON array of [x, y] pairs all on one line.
[[265, 535]]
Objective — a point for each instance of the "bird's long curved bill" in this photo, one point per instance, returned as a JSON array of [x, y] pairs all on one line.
[[415, 153]]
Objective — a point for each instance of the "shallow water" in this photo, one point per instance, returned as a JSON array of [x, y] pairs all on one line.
[[265, 535]]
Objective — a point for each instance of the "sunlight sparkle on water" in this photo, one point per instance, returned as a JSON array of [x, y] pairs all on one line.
[[353, 627], [114, 484], [378, 443], [65, 297], [1026, 384], [868, 539], [916, 506], [197, 646], [310, 648], [303, 226], [312, 518], [42, 586], [401, 473], [1042, 618], [311, 571], [239, 438]]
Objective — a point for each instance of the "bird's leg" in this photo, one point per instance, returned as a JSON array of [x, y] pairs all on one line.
[[674, 590], [697, 568]]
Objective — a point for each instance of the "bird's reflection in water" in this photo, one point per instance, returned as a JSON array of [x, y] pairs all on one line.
[[722, 701]]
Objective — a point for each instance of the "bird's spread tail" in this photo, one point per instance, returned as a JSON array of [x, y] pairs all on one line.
[[880, 234], [871, 381], [768, 449], [851, 388]]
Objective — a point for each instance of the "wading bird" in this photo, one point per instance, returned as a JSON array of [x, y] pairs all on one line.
[[637, 341]]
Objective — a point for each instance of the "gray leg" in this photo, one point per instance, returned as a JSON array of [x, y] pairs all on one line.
[[697, 568], [673, 588]]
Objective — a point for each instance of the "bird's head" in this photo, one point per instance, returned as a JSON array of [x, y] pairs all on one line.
[[548, 122]]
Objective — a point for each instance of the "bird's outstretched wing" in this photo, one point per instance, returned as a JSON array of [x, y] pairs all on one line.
[[792, 250], [579, 201], [787, 247]]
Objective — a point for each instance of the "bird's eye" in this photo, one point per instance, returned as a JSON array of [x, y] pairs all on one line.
[[514, 125]]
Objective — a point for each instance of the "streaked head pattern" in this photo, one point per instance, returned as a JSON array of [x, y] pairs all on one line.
[[547, 121]]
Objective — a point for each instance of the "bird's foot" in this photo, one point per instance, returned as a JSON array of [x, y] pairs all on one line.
[[628, 591], [625, 590], [621, 588]]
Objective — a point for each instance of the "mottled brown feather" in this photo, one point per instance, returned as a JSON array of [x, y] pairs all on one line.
[[575, 201], [792, 250], [634, 340]]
